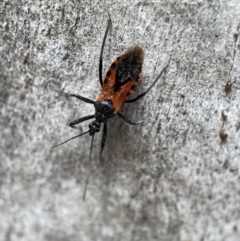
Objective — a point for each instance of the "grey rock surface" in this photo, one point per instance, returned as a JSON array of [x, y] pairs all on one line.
[[171, 178]]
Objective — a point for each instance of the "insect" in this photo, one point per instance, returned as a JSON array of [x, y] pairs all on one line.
[[228, 87], [223, 136], [120, 80]]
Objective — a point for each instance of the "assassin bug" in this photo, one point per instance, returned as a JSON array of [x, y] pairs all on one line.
[[118, 84]]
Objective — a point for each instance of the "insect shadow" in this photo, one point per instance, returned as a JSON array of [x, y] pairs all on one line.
[[121, 78]]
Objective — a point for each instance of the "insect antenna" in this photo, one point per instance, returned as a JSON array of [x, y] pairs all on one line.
[[89, 170], [71, 139]]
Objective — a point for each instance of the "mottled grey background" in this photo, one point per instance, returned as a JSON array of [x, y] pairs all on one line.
[[168, 179]]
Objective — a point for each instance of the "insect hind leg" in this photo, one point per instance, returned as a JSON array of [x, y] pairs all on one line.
[[101, 54], [149, 88]]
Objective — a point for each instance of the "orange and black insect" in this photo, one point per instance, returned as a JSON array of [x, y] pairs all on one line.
[[120, 80]]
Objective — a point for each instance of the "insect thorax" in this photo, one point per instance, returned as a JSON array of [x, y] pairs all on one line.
[[104, 110]]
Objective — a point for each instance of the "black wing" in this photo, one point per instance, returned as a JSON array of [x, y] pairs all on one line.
[[129, 65]]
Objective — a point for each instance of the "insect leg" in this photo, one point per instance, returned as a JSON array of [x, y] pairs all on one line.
[[101, 54], [149, 88], [104, 136], [82, 98], [124, 118], [75, 122]]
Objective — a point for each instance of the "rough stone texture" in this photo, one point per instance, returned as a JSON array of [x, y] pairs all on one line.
[[168, 179]]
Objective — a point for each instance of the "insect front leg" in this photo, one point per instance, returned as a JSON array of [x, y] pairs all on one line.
[[104, 136], [77, 121], [124, 118]]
